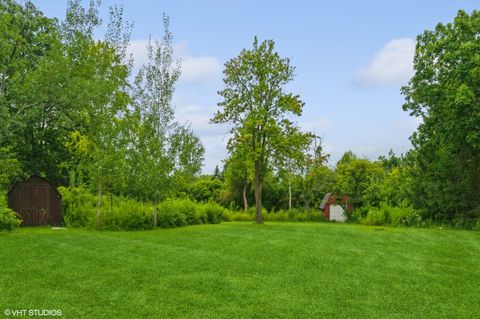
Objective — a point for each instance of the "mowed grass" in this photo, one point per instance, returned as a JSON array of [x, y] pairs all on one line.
[[242, 270]]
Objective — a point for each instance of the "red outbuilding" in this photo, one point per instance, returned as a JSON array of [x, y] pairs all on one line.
[[333, 208]]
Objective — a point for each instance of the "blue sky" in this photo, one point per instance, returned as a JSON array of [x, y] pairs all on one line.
[[351, 59]]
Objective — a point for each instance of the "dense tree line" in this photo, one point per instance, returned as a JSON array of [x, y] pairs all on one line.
[[71, 110], [439, 177]]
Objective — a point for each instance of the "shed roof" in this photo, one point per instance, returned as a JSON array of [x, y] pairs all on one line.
[[36, 176], [325, 200]]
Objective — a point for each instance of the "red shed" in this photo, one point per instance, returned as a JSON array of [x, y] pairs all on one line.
[[329, 201], [37, 202]]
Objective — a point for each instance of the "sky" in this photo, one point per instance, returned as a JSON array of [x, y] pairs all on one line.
[[351, 59]]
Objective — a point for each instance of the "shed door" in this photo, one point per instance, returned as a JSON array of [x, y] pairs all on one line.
[[27, 209], [42, 204]]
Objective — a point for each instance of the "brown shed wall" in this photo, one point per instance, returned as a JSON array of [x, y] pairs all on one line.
[[36, 201]]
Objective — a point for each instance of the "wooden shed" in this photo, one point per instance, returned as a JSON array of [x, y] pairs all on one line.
[[36, 201]]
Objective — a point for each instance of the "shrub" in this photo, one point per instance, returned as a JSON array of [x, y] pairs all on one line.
[[252, 211], [292, 215], [375, 217], [79, 207], [178, 212], [129, 214], [8, 218], [276, 216], [359, 214], [241, 217], [389, 215], [214, 212], [405, 216]]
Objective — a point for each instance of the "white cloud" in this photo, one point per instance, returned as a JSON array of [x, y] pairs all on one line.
[[392, 65], [200, 69], [199, 118], [318, 125], [195, 69]]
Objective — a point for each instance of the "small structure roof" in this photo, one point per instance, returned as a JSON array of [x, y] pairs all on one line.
[[325, 200]]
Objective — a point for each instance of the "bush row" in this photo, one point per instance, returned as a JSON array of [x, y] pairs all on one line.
[[120, 213]]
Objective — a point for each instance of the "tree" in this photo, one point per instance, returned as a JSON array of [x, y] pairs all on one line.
[[205, 188], [355, 176], [9, 168], [164, 154], [258, 108], [239, 173], [30, 123], [313, 172], [445, 93], [216, 173]]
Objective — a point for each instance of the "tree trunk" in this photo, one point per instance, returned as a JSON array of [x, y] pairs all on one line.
[[99, 204], [245, 201], [289, 195], [258, 193]]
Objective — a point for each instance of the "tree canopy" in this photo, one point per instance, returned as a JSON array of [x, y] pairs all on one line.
[[445, 94]]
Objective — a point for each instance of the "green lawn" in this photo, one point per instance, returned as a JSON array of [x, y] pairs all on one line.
[[241, 270]]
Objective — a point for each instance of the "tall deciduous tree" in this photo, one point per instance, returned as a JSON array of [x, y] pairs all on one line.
[[166, 152], [258, 108], [445, 93]]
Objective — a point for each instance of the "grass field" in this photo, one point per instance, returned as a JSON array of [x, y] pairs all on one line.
[[241, 270]]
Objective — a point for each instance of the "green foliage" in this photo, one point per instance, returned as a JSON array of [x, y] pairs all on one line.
[[78, 206], [389, 215], [376, 217], [241, 217], [8, 219], [444, 93], [80, 210], [87, 125], [309, 176], [357, 178], [205, 188], [10, 168], [129, 214], [165, 155], [215, 213], [259, 109], [180, 212], [292, 215]]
